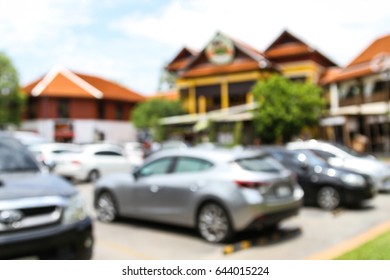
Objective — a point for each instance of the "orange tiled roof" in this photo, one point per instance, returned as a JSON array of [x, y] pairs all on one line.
[[352, 72], [178, 65], [112, 90], [381, 45], [211, 69], [329, 75], [288, 46], [251, 60], [59, 83], [182, 59], [288, 50], [169, 95], [361, 65]]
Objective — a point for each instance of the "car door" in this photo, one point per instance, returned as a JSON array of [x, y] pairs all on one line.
[[168, 196], [148, 188], [178, 189]]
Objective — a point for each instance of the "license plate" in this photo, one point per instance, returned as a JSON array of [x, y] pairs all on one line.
[[283, 191]]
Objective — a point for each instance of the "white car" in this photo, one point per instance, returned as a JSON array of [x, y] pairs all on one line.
[[134, 152], [92, 162], [341, 156], [48, 153]]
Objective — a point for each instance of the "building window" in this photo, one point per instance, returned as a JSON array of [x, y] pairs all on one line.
[[350, 92], [101, 110], [300, 79], [63, 109], [379, 87], [32, 108], [119, 111]]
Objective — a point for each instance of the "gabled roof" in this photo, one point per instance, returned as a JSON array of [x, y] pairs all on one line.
[[287, 47], [60, 82], [380, 45], [181, 60], [362, 64], [246, 58]]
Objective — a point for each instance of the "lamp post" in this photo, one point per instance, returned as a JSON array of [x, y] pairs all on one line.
[[381, 64]]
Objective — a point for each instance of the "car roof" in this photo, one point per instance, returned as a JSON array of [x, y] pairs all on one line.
[[215, 155]]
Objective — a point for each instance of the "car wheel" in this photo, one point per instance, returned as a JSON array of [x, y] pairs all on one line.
[[93, 176], [106, 208], [213, 223], [328, 198]]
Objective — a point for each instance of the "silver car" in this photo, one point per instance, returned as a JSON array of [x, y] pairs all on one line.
[[219, 192]]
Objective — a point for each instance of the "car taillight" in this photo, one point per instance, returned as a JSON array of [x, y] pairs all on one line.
[[76, 161], [251, 184]]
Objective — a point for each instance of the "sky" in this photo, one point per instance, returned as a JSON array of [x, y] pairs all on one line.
[[130, 41]]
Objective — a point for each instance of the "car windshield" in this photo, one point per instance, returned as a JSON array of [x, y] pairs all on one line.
[[260, 164], [310, 157], [15, 158], [349, 150]]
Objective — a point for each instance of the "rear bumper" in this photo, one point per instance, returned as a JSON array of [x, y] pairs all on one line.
[[272, 219], [57, 242], [268, 212]]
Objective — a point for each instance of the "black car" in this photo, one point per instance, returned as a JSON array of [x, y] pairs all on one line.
[[327, 186], [41, 215]]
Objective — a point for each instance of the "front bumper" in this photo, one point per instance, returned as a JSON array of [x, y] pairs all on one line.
[[357, 195], [73, 241]]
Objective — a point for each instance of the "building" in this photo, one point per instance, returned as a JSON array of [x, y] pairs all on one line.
[[215, 83], [360, 95], [73, 107]]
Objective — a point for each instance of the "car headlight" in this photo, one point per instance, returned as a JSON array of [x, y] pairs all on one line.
[[75, 210], [353, 180]]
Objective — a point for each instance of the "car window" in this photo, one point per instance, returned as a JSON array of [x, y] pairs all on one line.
[[185, 164], [322, 154], [260, 164], [107, 153], [160, 166], [62, 151], [14, 157]]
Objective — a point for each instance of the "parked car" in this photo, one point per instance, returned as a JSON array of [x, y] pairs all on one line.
[[92, 161], [47, 154], [327, 186], [340, 156], [41, 215], [216, 191], [134, 152], [28, 138]]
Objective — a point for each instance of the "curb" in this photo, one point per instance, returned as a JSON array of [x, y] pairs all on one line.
[[346, 246], [276, 237]]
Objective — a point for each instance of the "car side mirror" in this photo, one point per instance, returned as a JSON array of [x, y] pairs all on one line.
[[136, 174], [302, 159]]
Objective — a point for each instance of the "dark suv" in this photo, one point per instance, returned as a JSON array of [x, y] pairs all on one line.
[[41, 215]]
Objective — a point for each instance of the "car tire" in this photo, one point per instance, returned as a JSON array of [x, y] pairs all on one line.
[[213, 223], [328, 198], [93, 176], [106, 209]]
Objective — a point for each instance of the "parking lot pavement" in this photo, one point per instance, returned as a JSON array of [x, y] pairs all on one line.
[[311, 232]]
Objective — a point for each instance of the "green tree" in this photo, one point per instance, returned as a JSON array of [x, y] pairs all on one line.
[[285, 107], [146, 115], [11, 97]]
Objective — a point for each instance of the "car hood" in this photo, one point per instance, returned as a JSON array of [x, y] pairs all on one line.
[[363, 165], [14, 186]]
